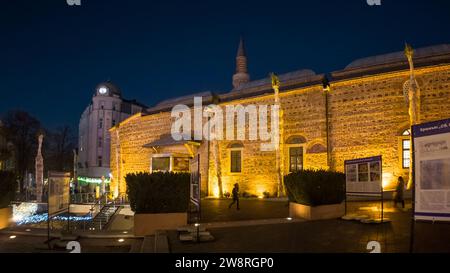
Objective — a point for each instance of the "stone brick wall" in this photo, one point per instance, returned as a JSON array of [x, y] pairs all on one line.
[[368, 115], [133, 134], [366, 118], [129, 156]]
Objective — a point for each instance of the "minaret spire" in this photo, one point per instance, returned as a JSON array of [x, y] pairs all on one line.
[[241, 76], [241, 49]]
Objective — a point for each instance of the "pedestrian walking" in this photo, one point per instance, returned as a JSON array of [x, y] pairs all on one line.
[[235, 194], [398, 195]]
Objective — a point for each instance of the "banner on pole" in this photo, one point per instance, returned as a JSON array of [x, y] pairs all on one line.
[[364, 176], [432, 170]]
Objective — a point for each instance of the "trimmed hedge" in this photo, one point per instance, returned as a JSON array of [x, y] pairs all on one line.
[[315, 188], [159, 192], [7, 188]]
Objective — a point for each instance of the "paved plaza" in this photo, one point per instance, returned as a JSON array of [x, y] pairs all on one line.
[[335, 236], [216, 210], [261, 226]]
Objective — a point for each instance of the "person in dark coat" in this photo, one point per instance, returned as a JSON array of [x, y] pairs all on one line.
[[398, 197], [235, 195]]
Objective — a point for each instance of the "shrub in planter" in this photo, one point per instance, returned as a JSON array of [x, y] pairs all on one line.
[[266, 194], [227, 195], [7, 188], [315, 187], [159, 192]]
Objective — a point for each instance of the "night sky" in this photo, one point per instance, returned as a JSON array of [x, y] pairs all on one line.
[[53, 55]]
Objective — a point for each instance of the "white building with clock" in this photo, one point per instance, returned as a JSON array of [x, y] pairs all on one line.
[[106, 109]]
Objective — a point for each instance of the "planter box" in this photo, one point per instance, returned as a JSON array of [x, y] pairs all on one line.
[[148, 224], [316, 213], [5, 217]]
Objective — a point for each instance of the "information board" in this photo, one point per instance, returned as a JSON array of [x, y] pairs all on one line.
[[58, 193], [431, 142], [364, 176]]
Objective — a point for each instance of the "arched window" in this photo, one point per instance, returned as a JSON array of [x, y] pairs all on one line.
[[406, 148], [297, 139]]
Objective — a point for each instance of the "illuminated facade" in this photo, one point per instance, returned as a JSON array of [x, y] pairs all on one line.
[[107, 109], [356, 112]]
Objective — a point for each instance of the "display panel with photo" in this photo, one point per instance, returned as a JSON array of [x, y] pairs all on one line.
[[363, 172], [375, 168], [351, 173], [435, 174]]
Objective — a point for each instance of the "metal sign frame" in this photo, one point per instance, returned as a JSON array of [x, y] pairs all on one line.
[[195, 188], [51, 214]]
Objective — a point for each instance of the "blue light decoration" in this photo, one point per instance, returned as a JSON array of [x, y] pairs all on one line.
[[33, 219], [39, 218], [27, 213]]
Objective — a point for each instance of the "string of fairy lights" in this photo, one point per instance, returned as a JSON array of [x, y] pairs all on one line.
[[27, 213]]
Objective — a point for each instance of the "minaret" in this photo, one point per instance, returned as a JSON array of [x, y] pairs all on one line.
[[241, 76]]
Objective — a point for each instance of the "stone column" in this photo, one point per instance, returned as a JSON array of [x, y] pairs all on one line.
[[413, 97], [279, 144], [39, 170]]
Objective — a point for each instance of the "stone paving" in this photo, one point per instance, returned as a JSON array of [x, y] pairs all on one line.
[[262, 226], [37, 244], [329, 236], [215, 210]]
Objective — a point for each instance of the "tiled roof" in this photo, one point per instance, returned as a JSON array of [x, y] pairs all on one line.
[[166, 140], [396, 61], [399, 56]]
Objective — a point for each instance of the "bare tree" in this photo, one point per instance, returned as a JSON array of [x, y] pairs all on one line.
[[60, 145], [22, 129]]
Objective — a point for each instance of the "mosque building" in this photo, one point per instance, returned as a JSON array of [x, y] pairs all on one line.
[[359, 111]]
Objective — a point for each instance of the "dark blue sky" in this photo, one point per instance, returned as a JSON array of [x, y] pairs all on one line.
[[53, 55]]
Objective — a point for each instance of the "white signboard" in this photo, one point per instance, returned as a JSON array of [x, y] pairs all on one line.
[[432, 170], [364, 176]]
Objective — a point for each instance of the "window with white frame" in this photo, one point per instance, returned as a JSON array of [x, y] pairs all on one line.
[[406, 149]]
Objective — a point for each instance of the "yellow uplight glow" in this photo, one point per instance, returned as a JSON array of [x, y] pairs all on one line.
[[216, 191], [260, 189], [387, 180]]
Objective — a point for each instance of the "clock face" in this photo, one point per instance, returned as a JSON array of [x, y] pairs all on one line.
[[103, 90]]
